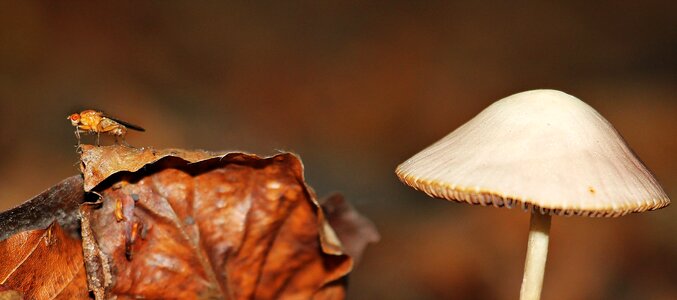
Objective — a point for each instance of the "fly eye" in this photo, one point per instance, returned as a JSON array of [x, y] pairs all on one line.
[[75, 117]]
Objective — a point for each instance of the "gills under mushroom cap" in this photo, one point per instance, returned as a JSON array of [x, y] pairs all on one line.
[[543, 149]]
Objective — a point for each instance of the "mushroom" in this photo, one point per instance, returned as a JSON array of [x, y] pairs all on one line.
[[544, 151]]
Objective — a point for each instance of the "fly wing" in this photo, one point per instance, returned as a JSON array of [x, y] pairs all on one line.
[[127, 124]]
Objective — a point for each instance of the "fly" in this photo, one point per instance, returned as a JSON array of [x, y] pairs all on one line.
[[92, 121]]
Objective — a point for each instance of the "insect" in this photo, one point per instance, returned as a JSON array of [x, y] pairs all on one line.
[[92, 121]]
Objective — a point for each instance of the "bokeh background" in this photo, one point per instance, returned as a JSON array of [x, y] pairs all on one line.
[[355, 88]]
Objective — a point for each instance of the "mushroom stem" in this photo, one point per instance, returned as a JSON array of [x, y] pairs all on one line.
[[537, 252]]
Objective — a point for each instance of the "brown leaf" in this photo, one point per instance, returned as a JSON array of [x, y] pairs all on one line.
[[353, 229], [59, 203], [99, 163], [7, 294], [179, 224], [42, 264]]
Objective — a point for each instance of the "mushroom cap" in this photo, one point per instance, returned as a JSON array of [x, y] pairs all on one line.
[[541, 149]]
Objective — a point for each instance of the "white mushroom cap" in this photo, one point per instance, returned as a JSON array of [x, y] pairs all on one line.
[[540, 148]]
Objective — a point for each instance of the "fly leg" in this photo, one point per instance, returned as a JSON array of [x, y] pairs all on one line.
[[77, 135], [81, 129], [78, 146]]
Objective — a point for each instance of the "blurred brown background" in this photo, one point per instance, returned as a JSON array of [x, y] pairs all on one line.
[[356, 87]]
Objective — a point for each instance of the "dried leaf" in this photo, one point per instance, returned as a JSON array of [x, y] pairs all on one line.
[[178, 224], [7, 294], [40, 259], [59, 203], [353, 229], [42, 264], [99, 163]]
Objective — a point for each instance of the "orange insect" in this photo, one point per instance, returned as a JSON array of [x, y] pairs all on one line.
[[136, 230], [92, 121]]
